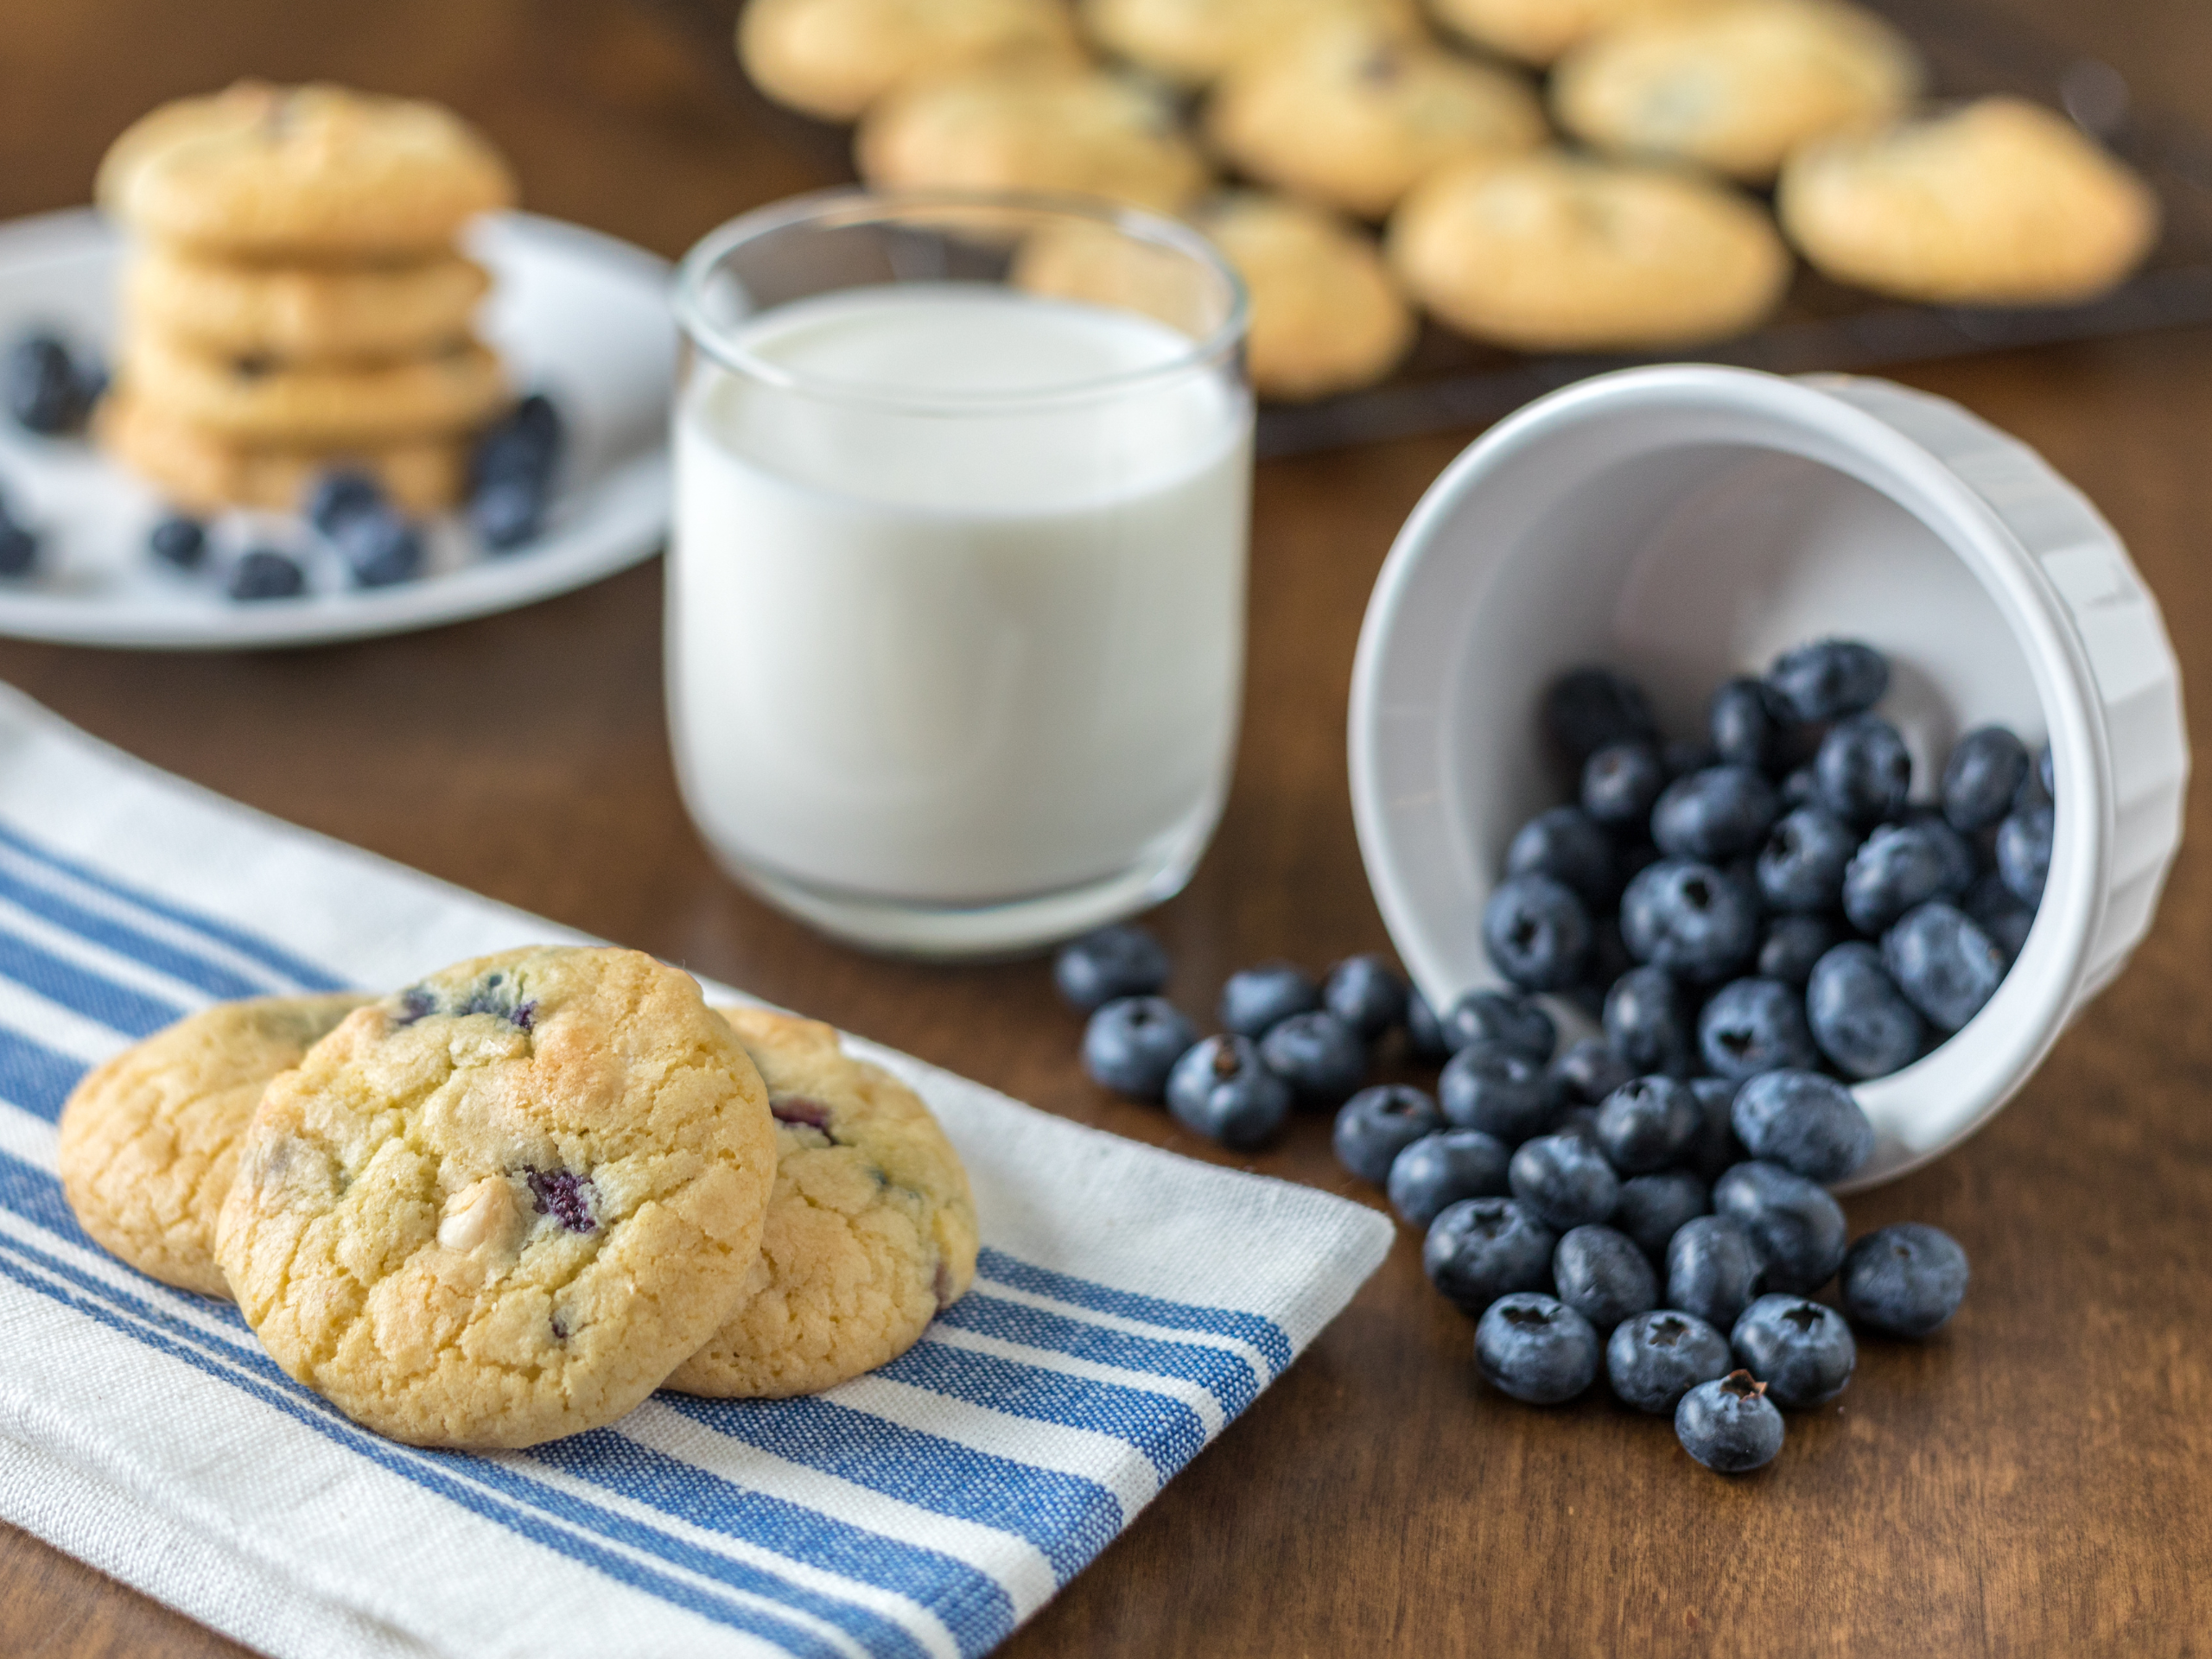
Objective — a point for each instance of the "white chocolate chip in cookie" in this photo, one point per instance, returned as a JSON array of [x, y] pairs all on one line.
[[479, 1215]]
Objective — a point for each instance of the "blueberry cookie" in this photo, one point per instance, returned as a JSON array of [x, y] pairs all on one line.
[[1088, 133], [871, 1230], [272, 403], [1537, 31], [149, 1140], [307, 314], [502, 1205], [1738, 88], [834, 58], [1192, 43], [1553, 253], [1352, 115], [2001, 202], [317, 172]]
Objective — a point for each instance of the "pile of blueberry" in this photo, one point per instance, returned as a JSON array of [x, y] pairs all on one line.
[[1770, 896], [50, 390]]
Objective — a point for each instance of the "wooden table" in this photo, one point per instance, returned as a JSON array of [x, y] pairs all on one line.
[[2038, 1479]]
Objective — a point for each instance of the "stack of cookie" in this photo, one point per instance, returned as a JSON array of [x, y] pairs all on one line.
[[508, 1202], [294, 296]]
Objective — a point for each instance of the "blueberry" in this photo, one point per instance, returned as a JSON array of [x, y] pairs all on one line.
[[1989, 904], [565, 1196], [45, 393], [1488, 1086], [1439, 1170], [1567, 844], [1690, 917], [1829, 679], [1646, 1023], [1133, 1043], [526, 447], [179, 541], [1859, 1017], [1716, 1148], [1619, 784], [1318, 1055], [1986, 770], [1752, 1025], [1729, 1427], [1863, 770], [1537, 933], [1713, 1269], [380, 548], [1652, 1208], [1800, 867], [1367, 994], [505, 513], [1516, 1022], [1798, 1227], [1961, 863], [1751, 725], [1647, 1124], [1899, 865], [1425, 1038], [1802, 1351], [1376, 1124], [1653, 1359], [18, 547], [1714, 814], [1587, 709], [1601, 1275], [1107, 964], [1906, 1279], [1792, 945], [1536, 1349], [1220, 1090], [1681, 756], [2023, 851], [1586, 1074], [1479, 1249], [336, 498], [1945, 965], [1809, 1123], [1564, 1180], [264, 573], [1255, 999], [1801, 787]]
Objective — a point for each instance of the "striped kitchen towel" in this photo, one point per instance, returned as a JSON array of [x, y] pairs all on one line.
[[1129, 1303]]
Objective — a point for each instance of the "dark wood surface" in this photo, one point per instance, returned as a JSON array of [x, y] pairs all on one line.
[[2038, 1479]]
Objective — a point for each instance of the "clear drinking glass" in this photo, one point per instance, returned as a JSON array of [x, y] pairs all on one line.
[[956, 590]]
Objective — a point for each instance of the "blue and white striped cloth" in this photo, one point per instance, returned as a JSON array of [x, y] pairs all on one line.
[[1128, 1304]]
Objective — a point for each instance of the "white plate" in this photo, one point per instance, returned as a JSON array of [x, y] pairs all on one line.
[[576, 314]]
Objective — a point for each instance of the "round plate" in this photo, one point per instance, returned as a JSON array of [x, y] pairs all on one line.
[[576, 314]]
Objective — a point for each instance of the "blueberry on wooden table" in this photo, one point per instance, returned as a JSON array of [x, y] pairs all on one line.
[[1587, 709], [1983, 776], [1518, 1023], [1490, 1087], [1653, 1360], [1253, 1000], [264, 573], [1653, 1208], [1802, 1351], [1713, 1269], [1730, 1426], [1829, 679], [1439, 1170], [1376, 1124], [1107, 964], [1367, 994], [1131, 1043], [1947, 967], [1219, 1089], [1479, 1249], [1536, 1349], [1859, 1017], [1538, 932], [1797, 1226], [1906, 1279], [1806, 1121], [1647, 1124], [1752, 1025], [1318, 1055], [1601, 1275], [1564, 1180], [1863, 770]]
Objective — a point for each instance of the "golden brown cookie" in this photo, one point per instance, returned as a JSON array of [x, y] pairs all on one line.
[[1537, 31], [1738, 88], [1553, 253], [870, 1232], [316, 172], [1192, 43], [834, 58], [1090, 133], [148, 1140], [2001, 202], [306, 314], [1352, 115]]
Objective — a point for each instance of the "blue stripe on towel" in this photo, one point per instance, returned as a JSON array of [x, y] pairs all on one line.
[[34, 1077], [1225, 1375], [185, 966], [1261, 1332], [82, 991]]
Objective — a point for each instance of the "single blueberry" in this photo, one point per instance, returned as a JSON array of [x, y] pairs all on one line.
[[1713, 1269], [1585, 1074], [1752, 726], [1587, 709], [179, 541], [565, 1196], [1899, 865], [1716, 1148], [1479, 1249], [381, 549], [1859, 1017], [1536, 1349], [18, 547], [1653, 1359], [1654, 1207], [1798, 1227], [1601, 1275], [1318, 1055], [264, 573], [1132, 1043], [2023, 851], [507, 511], [1714, 814], [1864, 770], [1107, 964], [1991, 905], [1619, 784], [1219, 1089], [1537, 933], [1425, 1038], [1800, 867], [1690, 917], [1681, 756], [1945, 965], [1518, 1023], [1802, 1351], [335, 499], [1376, 1124], [1801, 787], [1752, 1025], [1906, 1279], [44, 392], [1367, 994], [526, 444], [1255, 999], [1986, 770], [1441, 1169], [1792, 945], [1729, 1427], [1829, 679], [1647, 1023], [1488, 1086], [1567, 844], [1647, 1124], [1564, 1180], [1804, 1121]]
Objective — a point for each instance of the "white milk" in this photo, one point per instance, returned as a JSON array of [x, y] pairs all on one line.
[[956, 653]]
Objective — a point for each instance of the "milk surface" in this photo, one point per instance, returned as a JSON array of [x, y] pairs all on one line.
[[965, 645]]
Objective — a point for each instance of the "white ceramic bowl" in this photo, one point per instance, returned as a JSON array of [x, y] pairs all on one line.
[[1687, 522]]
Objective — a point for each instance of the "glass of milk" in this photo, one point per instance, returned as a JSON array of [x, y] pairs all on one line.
[[955, 589]]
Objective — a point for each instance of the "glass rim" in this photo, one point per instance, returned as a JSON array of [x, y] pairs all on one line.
[[858, 204]]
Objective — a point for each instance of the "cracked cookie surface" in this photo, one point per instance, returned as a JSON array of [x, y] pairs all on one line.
[[500, 1205], [871, 1230]]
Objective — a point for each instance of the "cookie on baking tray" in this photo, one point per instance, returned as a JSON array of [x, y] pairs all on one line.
[[871, 1230], [1352, 115], [1191, 42], [306, 314], [1737, 86], [503, 1204], [1537, 31], [1554, 252], [148, 1139], [2000, 202], [834, 58]]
